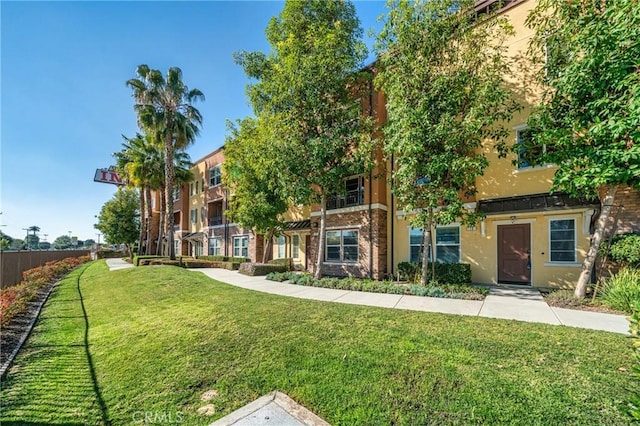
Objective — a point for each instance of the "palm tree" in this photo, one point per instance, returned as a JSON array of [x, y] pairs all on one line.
[[141, 163], [165, 110]]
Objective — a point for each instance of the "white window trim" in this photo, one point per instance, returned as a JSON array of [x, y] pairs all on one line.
[[573, 263], [233, 246], [434, 247], [519, 128], [217, 166], [341, 261], [210, 246], [295, 254], [283, 246]]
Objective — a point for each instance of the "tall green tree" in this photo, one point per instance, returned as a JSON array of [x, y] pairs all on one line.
[[252, 174], [443, 76], [589, 117], [31, 239], [63, 242], [307, 93], [164, 106], [119, 218]]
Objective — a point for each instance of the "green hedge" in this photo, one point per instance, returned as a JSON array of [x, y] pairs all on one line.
[[255, 269], [452, 291], [287, 262], [446, 273], [225, 259], [138, 258]]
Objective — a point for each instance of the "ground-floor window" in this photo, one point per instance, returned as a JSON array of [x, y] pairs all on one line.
[[447, 244], [342, 246], [215, 246], [176, 246], [197, 248], [562, 240], [281, 247], [241, 246], [295, 247]]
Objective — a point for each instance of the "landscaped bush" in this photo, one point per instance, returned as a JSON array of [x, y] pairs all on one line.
[[108, 254], [458, 273], [622, 290], [288, 262], [138, 258], [454, 291], [13, 300], [255, 269], [625, 249], [564, 299]]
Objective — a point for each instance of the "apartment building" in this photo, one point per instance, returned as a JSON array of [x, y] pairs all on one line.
[[529, 236]]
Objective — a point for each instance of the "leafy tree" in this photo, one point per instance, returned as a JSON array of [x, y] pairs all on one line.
[[89, 243], [307, 93], [443, 75], [119, 218], [589, 116], [252, 174], [44, 245], [17, 244], [164, 106], [5, 241], [32, 239], [63, 242]]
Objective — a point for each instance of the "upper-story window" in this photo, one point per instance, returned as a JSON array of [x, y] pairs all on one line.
[[528, 154], [197, 186], [176, 193], [191, 189], [353, 194], [215, 176]]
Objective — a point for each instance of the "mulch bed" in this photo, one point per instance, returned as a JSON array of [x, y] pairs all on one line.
[[18, 327]]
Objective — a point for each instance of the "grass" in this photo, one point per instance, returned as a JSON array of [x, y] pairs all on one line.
[[155, 339]]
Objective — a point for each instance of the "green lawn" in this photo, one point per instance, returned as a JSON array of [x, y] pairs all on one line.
[[159, 337]]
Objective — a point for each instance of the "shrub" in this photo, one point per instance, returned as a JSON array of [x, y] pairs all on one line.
[[255, 269], [563, 298], [625, 249], [448, 273], [138, 258], [288, 262], [225, 259], [108, 254], [622, 290], [279, 276]]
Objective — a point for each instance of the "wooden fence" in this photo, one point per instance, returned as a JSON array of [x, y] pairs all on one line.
[[14, 263]]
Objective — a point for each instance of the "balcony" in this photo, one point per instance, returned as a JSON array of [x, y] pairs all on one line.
[[351, 198], [214, 220]]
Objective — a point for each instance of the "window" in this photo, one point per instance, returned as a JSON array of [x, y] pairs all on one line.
[[197, 186], [214, 246], [562, 240], [215, 176], [295, 246], [281, 247], [241, 246], [415, 245], [447, 244], [194, 215], [342, 246], [176, 193], [176, 247], [529, 155], [191, 189]]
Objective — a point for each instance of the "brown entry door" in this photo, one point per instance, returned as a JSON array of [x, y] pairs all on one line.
[[514, 254]]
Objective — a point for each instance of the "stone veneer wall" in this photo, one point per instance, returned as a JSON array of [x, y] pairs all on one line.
[[360, 221]]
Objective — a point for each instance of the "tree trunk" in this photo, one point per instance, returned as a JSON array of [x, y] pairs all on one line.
[[321, 242], [598, 235], [169, 181], [267, 245], [426, 236], [159, 249], [142, 222], [149, 243]]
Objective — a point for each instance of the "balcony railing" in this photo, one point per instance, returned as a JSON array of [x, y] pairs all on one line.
[[215, 220], [351, 198]]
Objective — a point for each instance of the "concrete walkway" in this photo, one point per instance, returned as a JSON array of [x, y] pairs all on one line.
[[504, 302]]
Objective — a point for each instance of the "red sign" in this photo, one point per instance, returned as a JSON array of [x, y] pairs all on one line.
[[108, 176]]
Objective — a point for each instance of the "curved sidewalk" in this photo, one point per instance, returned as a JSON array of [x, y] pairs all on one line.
[[522, 304], [515, 303]]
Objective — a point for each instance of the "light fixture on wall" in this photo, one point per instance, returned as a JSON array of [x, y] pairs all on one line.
[[513, 219]]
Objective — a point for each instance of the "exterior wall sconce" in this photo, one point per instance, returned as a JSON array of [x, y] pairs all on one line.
[[513, 219]]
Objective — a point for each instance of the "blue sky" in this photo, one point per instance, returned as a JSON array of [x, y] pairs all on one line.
[[64, 103]]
